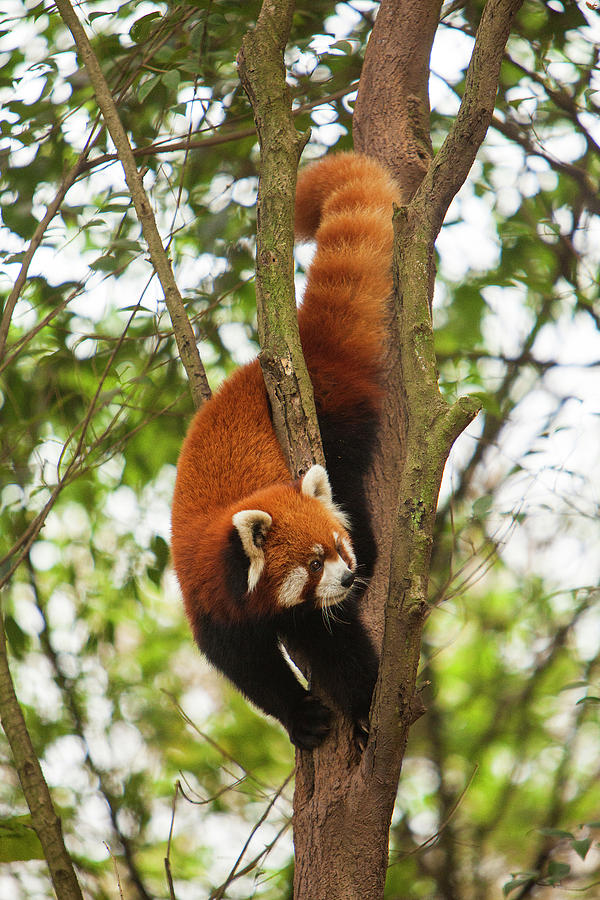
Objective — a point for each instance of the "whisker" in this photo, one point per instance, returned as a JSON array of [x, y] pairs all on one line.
[[325, 617], [361, 582], [333, 614]]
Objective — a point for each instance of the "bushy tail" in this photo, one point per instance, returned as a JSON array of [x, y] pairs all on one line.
[[345, 202]]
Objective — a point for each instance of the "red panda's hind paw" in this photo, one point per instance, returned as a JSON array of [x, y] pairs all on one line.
[[311, 723]]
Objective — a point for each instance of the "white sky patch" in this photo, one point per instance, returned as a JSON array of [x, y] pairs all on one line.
[[509, 322], [245, 190], [450, 53], [348, 17], [234, 336], [468, 215], [328, 135]]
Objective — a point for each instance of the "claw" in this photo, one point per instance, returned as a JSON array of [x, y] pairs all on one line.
[[361, 733]]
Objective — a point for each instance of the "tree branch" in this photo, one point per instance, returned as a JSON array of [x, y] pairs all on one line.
[[184, 334], [453, 161], [220, 137], [391, 113], [38, 235], [431, 425], [43, 815], [394, 94], [262, 73], [69, 693]]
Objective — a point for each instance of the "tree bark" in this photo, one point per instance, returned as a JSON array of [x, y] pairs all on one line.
[[343, 810], [391, 123], [391, 113]]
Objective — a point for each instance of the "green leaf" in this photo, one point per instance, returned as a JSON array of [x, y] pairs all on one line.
[[581, 847], [18, 840], [17, 638], [574, 684], [345, 46], [482, 506], [104, 264], [140, 29], [97, 15], [557, 871], [556, 832], [518, 881], [171, 79], [146, 88]]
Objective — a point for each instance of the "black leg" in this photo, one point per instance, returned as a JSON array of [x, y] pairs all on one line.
[[249, 655], [342, 658]]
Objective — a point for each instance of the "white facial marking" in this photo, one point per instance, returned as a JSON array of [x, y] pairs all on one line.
[[254, 572], [318, 550], [290, 592], [330, 589], [252, 526], [349, 552]]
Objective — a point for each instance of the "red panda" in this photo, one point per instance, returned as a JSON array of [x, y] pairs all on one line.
[[262, 559]]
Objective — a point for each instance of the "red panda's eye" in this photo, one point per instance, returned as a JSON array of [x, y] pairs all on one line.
[[315, 565]]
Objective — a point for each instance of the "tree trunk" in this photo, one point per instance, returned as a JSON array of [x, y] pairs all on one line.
[[342, 813], [343, 801], [342, 805]]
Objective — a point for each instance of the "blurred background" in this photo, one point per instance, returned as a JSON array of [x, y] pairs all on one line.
[[148, 752]]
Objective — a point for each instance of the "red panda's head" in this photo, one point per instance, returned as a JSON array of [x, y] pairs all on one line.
[[297, 545]]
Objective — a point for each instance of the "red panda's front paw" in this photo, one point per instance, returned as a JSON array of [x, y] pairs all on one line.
[[361, 733], [311, 723]]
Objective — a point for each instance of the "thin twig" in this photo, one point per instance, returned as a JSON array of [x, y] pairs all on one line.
[[116, 868], [168, 856], [184, 334], [219, 893]]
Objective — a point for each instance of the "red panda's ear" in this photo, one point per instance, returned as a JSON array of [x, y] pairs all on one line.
[[316, 484], [252, 525]]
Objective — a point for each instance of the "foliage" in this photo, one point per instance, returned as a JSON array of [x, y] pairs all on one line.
[[501, 784]]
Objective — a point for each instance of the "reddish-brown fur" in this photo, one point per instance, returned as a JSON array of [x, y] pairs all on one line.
[[231, 459]]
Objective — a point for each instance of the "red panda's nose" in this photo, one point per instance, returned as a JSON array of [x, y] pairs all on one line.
[[347, 579]]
